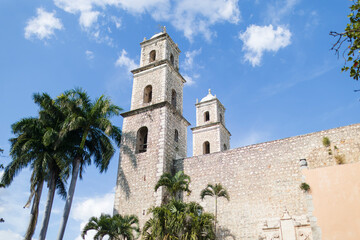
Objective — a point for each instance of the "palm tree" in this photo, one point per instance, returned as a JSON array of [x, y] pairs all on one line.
[[215, 191], [87, 125], [116, 228], [28, 148], [174, 183], [179, 220]]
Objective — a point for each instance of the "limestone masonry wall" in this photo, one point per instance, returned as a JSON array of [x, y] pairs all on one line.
[[264, 179]]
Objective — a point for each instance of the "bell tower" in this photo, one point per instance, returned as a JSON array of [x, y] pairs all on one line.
[[210, 134], [154, 130]]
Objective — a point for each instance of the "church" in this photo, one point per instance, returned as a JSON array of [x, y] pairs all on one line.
[[263, 180]]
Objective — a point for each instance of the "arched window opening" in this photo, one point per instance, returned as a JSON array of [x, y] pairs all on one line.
[[221, 118], [173, 98], [206, 147], [141, 140], [225, 147], [152, 56], [148, 94], [206, 116], [176, 136], [172, 59]]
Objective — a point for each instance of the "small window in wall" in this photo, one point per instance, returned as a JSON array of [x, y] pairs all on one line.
[[206, 147], [141, 140], [225, 147], [221, 118], [173, 98], [206, 116], [148, 94], [172, 59], [152, 56], [176, 136]]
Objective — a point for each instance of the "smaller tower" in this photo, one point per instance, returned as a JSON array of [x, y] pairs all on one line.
[[210, 134]]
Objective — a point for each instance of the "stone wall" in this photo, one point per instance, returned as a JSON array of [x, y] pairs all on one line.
[[264, 179]]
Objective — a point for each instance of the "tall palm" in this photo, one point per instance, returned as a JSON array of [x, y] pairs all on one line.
[[28, 148], [87, 125], [174, 183], [215, 191], [116, 228]]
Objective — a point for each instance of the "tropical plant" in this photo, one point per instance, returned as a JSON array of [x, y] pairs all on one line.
[[215, 191], [174, 183], [116, 228], [179, 220], [32, 146], [305, 187], [88, 127], [351, 37]]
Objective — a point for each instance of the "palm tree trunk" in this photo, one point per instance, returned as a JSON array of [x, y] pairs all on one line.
[[34, 212], [69, 198], [48, 206], [215, 214]]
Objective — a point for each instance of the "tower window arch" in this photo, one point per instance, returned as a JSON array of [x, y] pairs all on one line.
[[176, 136], [141, 140], [173, 98], [225, 147], [148, 94], [172, 59], [152, 56], [206, 147], [221, 118], [206, 116]]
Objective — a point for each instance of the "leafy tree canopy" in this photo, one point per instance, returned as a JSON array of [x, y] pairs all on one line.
[[351, 39]]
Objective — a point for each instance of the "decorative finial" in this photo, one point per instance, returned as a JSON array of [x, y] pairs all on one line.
[[209, 91], [197, 100], [144, 39], [164, 29]]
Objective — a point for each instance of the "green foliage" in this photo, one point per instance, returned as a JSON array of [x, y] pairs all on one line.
[[340, 159], [351, 38], [174, 183], [305, 187], [180, 221], [117, 227], [326, 141], [216, 190]]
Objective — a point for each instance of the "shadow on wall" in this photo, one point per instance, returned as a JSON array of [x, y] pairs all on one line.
[[128, 144], [224, 233]]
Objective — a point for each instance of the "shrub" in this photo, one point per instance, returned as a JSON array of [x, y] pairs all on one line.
[[305, 187], [326, 141], [340, 159]]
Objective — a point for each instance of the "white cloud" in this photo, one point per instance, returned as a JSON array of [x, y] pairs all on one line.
[[189, 58], [87, 19], [280, 9], [258, 39], [89, 54], [252, 137], [92, 207], [125, 61], [189, 80], [196, 17], [191, 17], [43, 25], [8, 234], [116, 21]]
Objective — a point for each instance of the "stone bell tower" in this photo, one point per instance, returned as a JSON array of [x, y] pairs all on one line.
[[210, 134], [154, 130]]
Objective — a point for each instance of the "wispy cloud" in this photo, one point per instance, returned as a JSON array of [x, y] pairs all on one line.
[[89, 55], [191, 17], [92, 207], [260, 39], [126, 62], [189, 58], [252, 137], [280, 9], [42, 26]]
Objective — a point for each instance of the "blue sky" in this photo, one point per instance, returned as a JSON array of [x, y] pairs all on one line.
[[268, 62]]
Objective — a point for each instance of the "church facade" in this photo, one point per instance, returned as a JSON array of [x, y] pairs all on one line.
[[263, 180]]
